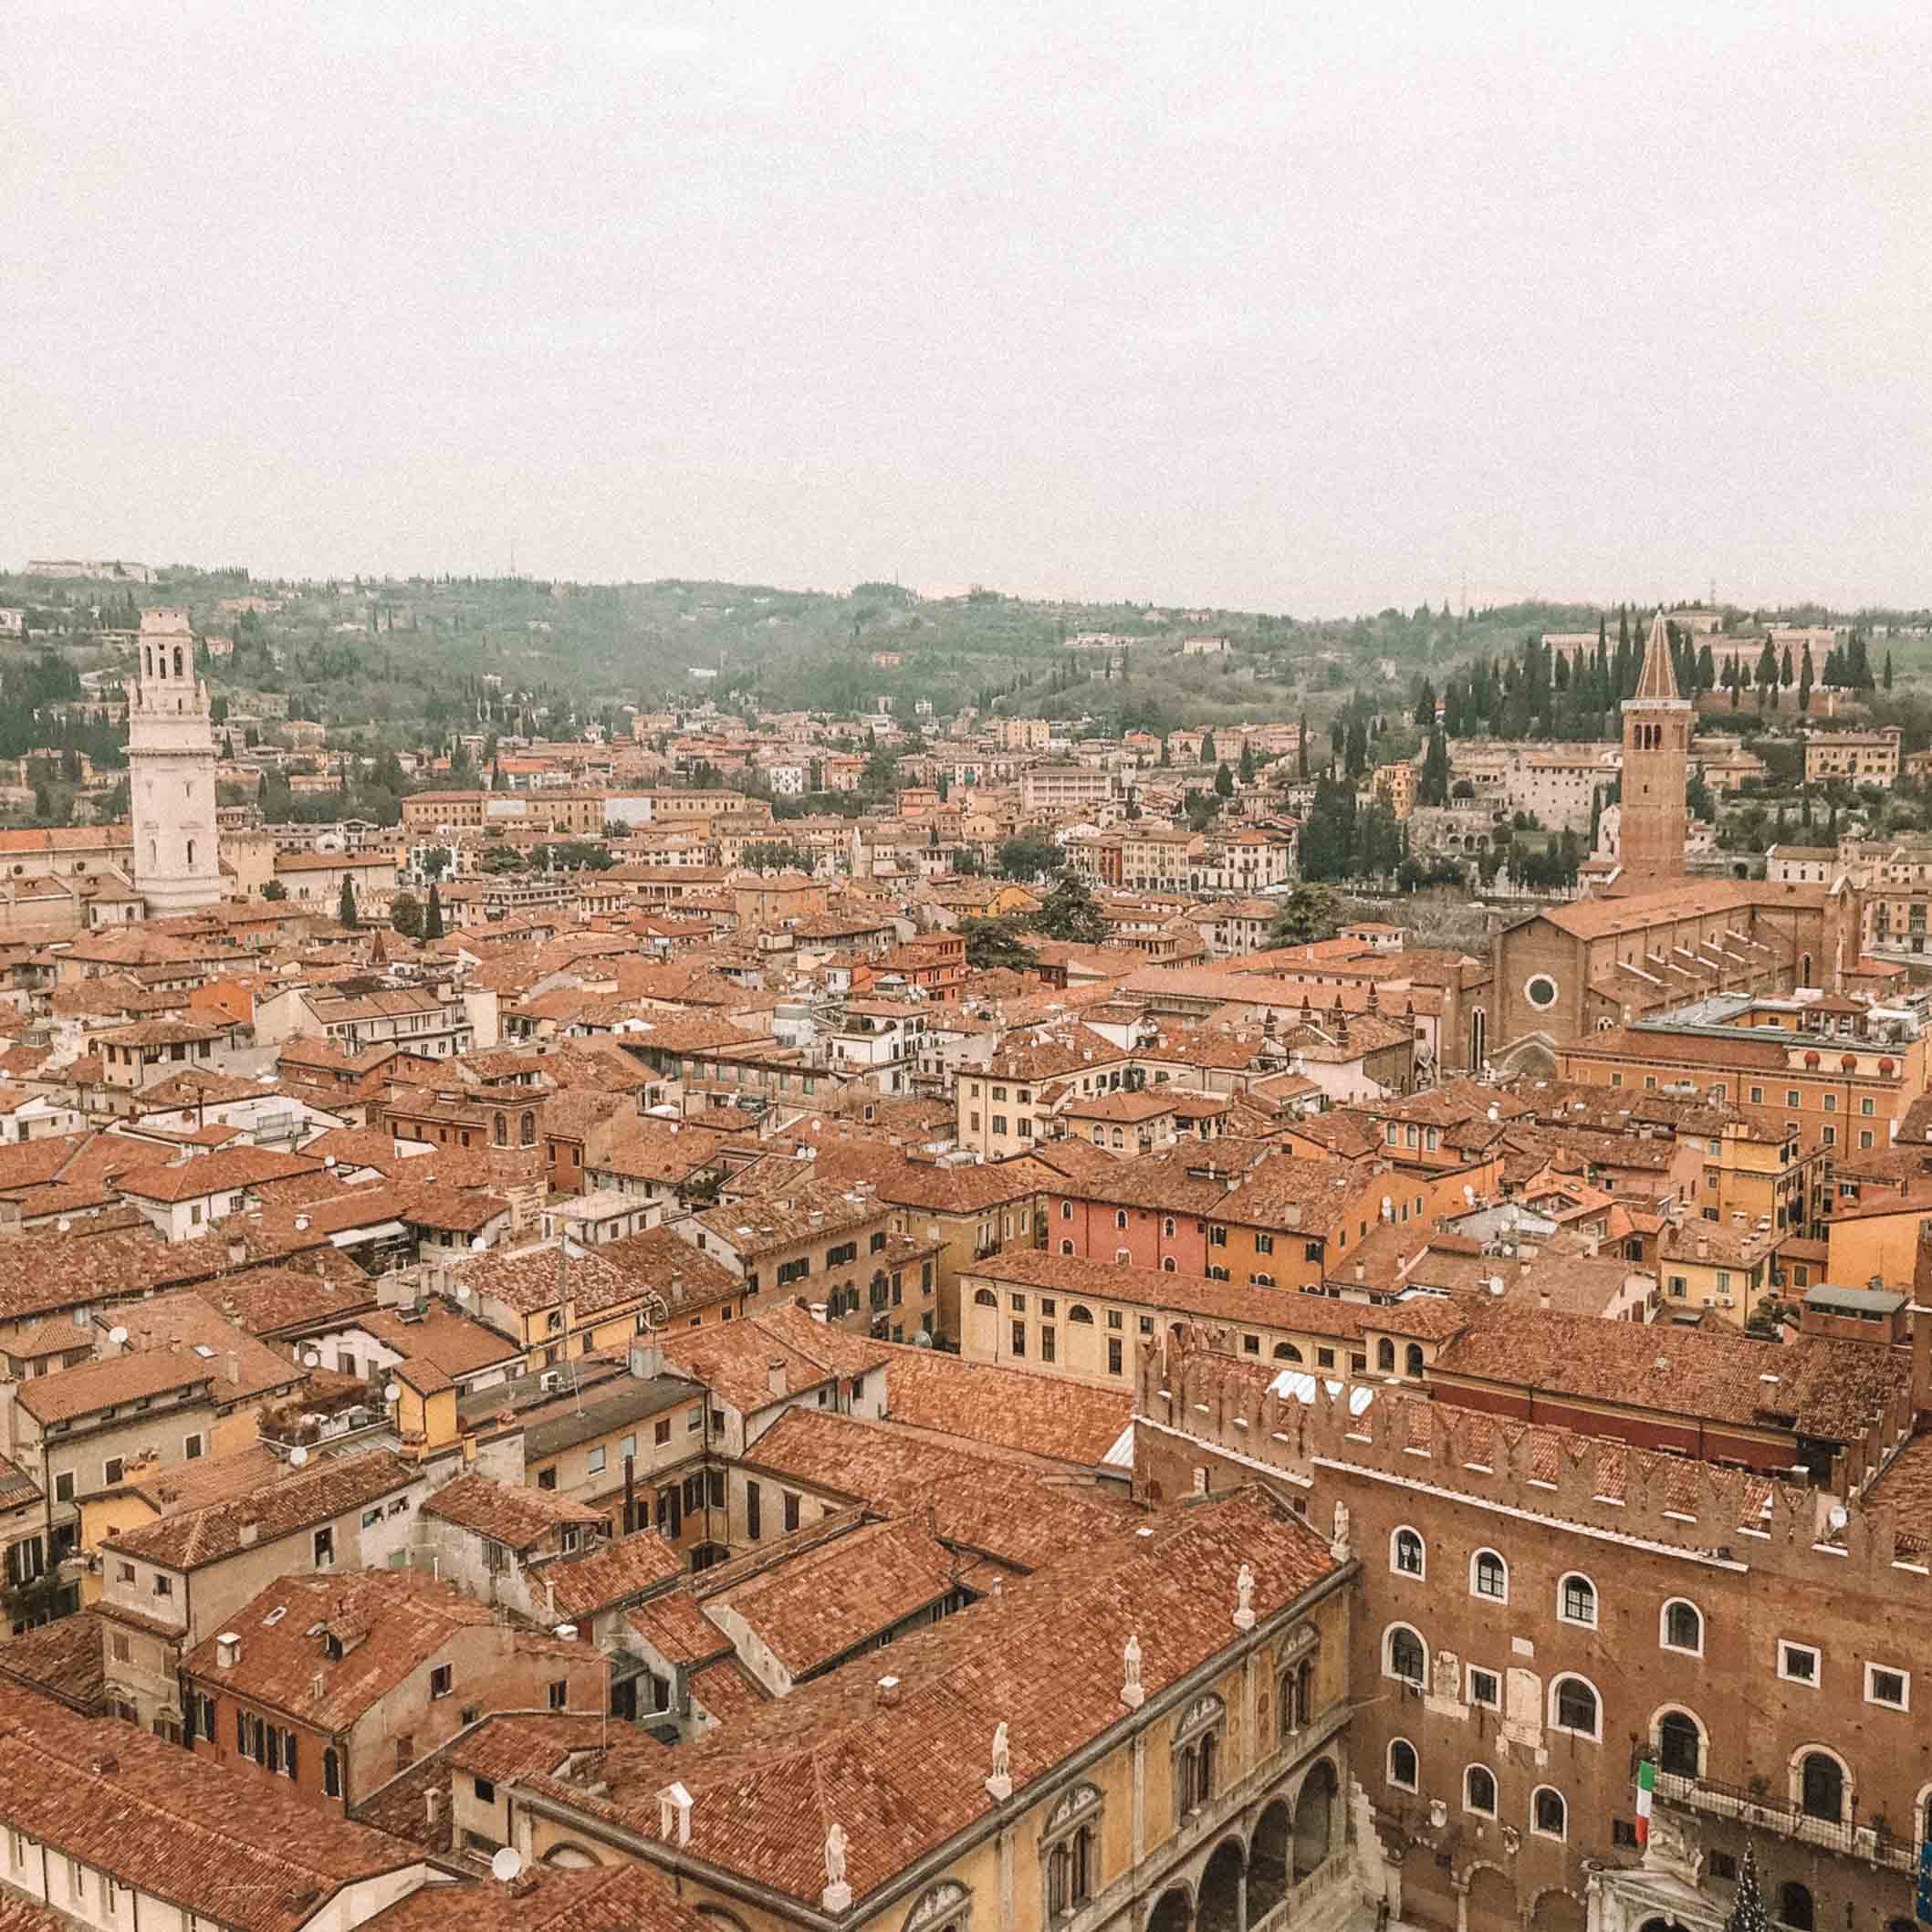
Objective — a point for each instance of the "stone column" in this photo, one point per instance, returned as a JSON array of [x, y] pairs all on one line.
[[1006, 1879], [1140, 1796]]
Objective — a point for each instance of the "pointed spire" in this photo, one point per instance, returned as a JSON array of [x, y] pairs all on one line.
[[1657, 678]]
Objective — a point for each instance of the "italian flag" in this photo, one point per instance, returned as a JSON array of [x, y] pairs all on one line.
[[1646, 1784]]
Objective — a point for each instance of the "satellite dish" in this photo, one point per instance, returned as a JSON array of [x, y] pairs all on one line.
[[393, 1393], [311, 1359], [1838, 1517], [117, 1336], [505, 1864], [298, 1457], [478, 1244]]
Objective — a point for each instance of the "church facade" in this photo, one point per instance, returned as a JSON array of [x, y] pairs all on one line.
[[1659, 941]]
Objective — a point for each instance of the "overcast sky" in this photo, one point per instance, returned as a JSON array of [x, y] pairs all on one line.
[[1309, 309]]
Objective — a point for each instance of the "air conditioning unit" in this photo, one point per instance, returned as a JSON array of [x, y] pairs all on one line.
[[550, 1379]]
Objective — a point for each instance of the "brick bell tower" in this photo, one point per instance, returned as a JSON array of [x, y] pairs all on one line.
[[1656, 756]]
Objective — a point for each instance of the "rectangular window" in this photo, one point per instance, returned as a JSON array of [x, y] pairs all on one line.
[[559, 1694], [1019, 1338], [1046, 1344], [1114, 1354], [325, 1546], [791, 1508], [1791, 1097], [110, 1472], [1798, 1663], [1893, 1689], [660, 1433], [753, 1504], [64, 1487], [1324, 1358], [1486, 1689], [594, 1461], [442, 1680], [547, 1478], [192, 1448]]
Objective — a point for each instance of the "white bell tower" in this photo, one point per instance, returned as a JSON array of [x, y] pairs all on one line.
[[171, 771]]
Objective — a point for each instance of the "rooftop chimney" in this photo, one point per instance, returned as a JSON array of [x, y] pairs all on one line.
[[234, 1368], [1703, 1248], [227, 1650], [775, 1378]]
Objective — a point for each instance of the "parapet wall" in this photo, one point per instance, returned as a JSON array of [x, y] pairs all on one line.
[[1779, 1527]]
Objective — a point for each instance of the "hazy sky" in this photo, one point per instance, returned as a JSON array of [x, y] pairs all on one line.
[[1313, 309]]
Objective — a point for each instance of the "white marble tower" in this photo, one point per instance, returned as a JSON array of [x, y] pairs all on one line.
[[171, 771]]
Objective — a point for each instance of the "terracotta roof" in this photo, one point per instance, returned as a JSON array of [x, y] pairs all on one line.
[[1044, 1657], [296, 1501], [509, 1513], [187, 1319], [627, 1566], [65, 1660], [734, 1358], [674, 1625], [1192, 1295], [1010, 1408], [234, 1847], [199, 1174], [821, 1603], [106, 1383], [636, 1898], [982, 1500], [1831, 1390]]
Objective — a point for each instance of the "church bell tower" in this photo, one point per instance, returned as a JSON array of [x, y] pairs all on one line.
[[1656, 760], [171, 771]]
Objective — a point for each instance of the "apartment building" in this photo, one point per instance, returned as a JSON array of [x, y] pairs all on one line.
[[1047, 788], [1861, 757]]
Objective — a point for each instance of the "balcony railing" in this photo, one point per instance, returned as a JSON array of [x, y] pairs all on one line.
[[1768, 1812]]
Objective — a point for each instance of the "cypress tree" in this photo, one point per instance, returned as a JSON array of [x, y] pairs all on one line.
[[1804, 687], [1784, 674], [345, 909], [432, 921], [1888, 670]]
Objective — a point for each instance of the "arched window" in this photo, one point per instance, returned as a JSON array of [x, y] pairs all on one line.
[[1407, 1555], [1080, 1312], [1295, 1698], [1066, 1248], [177, 660], [1683, 1627], [1413, 1359], [1066, 1210], [331, 1774], [1478, 1790], [1408, 1656], [1262, 1281], [1821, 1786], [191, 854], [529, 1134], [1167, 1227], [1167, 1267], [1287, 1352], [1123, 1255], [1119, 1217], [1573, 1706], [1070, 1873], [1549, 1815], [986, 1298], [1576, 1600], [503, 1129], [1402, 1766], [1680, 1745], [1794, 1905], [1385, 1356], [1489, 1576]]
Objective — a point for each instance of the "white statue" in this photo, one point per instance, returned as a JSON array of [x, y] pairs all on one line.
[[1338, 1546], [835, 1842], [1131, 1657], [1002, 1762], [1245, 1586]]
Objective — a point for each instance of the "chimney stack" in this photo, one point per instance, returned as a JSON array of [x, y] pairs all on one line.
[[775, 1378]]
